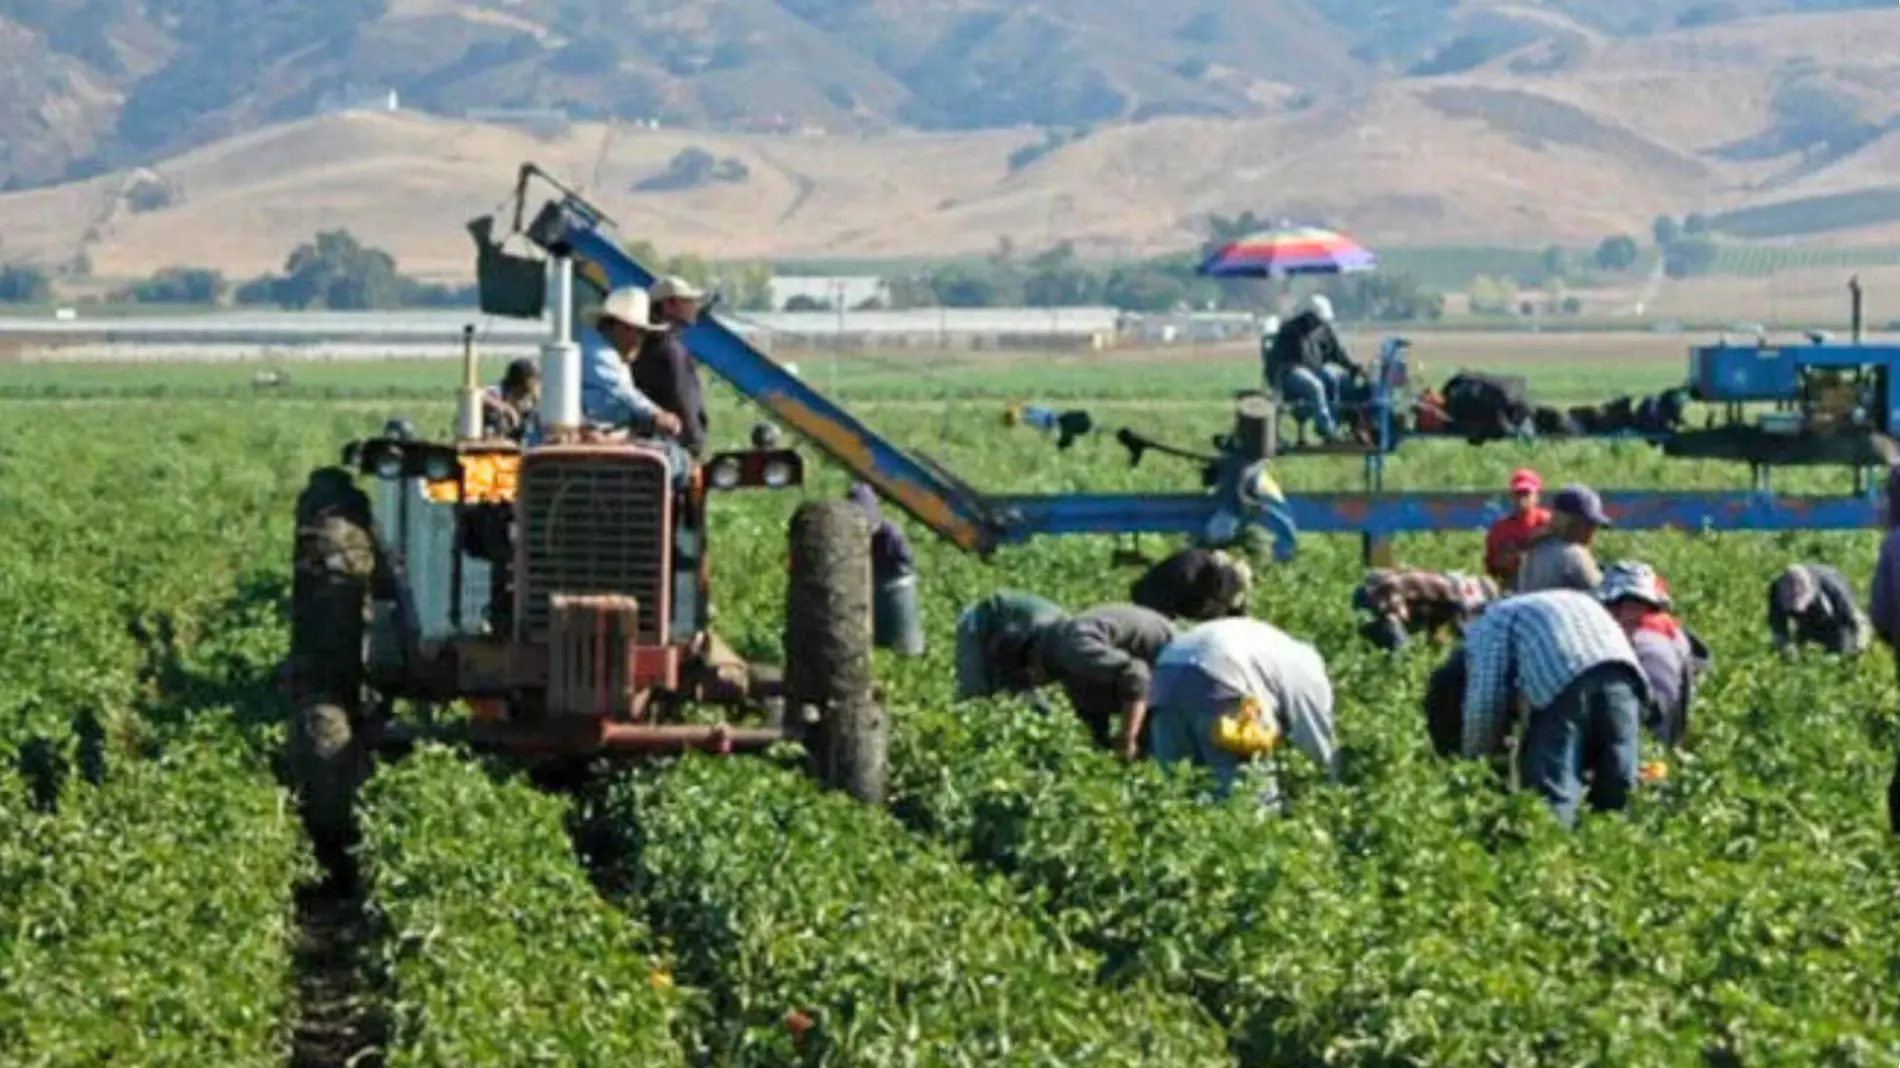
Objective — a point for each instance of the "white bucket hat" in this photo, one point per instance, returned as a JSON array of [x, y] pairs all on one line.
[[630, 305], [1634, 581]]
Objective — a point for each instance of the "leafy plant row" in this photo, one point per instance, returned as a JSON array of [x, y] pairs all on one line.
[[1412, 914], [823, 934], [497, 947], [148, 920]]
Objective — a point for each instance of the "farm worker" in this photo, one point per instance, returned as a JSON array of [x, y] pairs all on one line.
[[1226, 692], [1196, 583], [508, 409], [1814, 603], [665, 370], [1401, 601], [988, 632], [1560, 557], [1557, 661], [1102, 658], [1883, 613], [608, 395], [1509, 538], [895, 612], [1673, 658], [1306, 364]]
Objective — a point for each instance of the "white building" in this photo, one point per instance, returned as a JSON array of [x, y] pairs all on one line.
[[833, 291]]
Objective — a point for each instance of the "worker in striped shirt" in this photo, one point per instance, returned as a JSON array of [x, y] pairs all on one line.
[[1560, 659]]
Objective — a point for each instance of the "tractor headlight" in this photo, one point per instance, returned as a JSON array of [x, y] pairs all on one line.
[[777, 473], [725, 474], [389, 464], [439, 467]]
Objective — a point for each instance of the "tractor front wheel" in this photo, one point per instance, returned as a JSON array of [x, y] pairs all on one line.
[[828, 638], [335, 567]]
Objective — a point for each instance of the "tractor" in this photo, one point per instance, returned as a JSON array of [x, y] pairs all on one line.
[[561, 588]]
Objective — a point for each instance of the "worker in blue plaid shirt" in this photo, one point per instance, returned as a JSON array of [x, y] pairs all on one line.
[[1559, 656]]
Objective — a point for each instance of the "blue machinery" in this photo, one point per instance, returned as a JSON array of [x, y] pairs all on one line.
[[1835, 405]]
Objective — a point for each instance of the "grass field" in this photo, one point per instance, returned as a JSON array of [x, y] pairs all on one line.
[[1025, 900]]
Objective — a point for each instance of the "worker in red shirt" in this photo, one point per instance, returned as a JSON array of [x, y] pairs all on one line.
[[1508, 538]]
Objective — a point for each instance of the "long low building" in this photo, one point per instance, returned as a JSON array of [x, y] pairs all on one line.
[[260, 326]]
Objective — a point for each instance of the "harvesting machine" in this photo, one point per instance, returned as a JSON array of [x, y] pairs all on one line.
[[562, 588], [1830, 405]]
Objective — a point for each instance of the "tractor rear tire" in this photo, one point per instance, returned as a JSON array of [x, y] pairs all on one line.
[[828, 639], [328, 763], [335, 568]]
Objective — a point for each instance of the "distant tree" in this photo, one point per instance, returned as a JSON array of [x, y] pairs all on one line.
[[692, 168], [1665, 230], [1383, 296], [1056, 278], [1492, 296], [176, 285], [22, 284], [1554, 262], [1695, 224], [1689, 257], [1143, 289], [977, 285], [911, 291], [1617, 253], [336, 271], [1572, 305], [801, 302]]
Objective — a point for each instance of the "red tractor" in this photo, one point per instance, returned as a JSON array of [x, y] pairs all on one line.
[[561, 590]]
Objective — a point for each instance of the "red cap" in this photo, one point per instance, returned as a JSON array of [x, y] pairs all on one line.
[[1524, 479]]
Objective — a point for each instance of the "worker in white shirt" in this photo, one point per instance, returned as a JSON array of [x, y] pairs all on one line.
[[1227, 691]]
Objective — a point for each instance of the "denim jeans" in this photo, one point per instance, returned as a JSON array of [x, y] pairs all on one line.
[[1314, 392], [1592, 725]]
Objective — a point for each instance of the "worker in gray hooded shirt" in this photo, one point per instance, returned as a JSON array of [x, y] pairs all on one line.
[[1220, 669], [1102, 659]]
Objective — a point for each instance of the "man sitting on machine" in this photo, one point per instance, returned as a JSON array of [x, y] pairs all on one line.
[[608, 395], [1306, 365]]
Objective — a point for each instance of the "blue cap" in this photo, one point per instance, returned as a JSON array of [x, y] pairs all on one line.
[[1581, 501]]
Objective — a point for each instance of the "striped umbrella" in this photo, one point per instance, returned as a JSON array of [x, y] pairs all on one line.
[[1286, 251]]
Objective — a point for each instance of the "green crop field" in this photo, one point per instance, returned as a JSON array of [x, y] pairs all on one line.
[[1024, 900]]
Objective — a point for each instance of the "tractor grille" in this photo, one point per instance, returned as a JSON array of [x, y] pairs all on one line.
[[592, 522]]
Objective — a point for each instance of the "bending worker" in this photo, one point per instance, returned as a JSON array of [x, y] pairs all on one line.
[[608, 395], [1225, 694], [991, 635], [1812, 603], [1197, 584], [1402, 601], [1673, 658], [1101, 658], [1559, 657]]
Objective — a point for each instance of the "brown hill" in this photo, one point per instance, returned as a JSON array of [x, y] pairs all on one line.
[[1781, 127]]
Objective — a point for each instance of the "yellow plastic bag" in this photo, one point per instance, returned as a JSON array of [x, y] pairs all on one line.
[[1248, 731]]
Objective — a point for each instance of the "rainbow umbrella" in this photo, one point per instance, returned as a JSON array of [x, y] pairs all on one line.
[[1286, 251]]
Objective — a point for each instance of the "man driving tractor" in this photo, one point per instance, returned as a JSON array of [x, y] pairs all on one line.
[[608, 394]]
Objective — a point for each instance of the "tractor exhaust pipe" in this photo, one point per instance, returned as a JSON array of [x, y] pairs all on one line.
[[1853, 300], [561, 357], [468, 411]]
